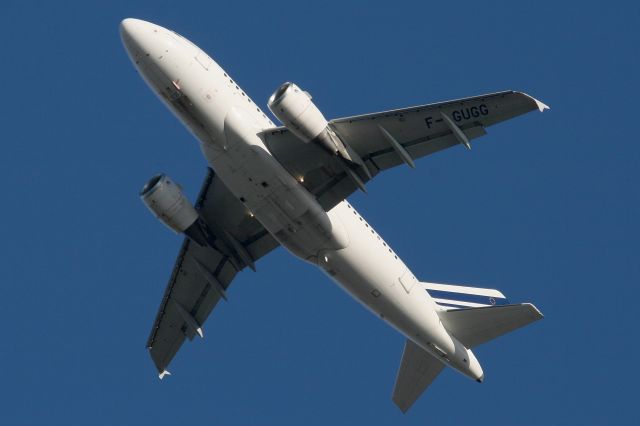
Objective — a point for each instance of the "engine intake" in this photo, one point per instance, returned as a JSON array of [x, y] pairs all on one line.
[[298, 113], [294, 108], [167, 202]]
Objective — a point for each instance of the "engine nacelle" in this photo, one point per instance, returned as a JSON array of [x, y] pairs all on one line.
[[167, 202], [294, 109]]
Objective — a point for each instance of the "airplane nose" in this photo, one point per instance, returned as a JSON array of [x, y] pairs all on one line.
[[128, 37], [126, 25], [127, 29], [148, 44], [138, 37]]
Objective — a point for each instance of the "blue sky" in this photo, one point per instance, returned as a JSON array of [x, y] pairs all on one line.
[[545, 208]]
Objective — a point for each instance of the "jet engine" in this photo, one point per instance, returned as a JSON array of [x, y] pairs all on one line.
[[294, 109], [167, 202]]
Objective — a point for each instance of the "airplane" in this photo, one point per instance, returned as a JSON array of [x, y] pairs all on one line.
[[268, 186]]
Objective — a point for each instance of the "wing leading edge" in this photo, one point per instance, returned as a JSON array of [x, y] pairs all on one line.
[[201, 275], [390, 138]]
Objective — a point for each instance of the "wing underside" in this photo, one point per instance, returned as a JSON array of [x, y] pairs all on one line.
[[383, 140], [202, 275]]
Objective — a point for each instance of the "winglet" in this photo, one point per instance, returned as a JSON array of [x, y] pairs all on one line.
[[163, 373], [541, 106]]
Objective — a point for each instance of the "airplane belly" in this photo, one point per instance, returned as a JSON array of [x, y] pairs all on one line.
[[357, 259], [373, 274], [283, 206], [227, 130], [226, 122], [231, 130]]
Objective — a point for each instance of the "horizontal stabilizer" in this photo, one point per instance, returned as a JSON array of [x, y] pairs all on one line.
[[475, 326], [417, 370], [449, 296]]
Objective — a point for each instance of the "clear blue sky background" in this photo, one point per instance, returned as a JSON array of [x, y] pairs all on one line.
[[545, 207]]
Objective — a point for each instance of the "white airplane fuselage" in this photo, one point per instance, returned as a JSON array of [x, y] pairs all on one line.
[[226, 123]]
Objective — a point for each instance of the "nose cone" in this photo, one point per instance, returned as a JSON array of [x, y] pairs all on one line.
[[138, 37], [127, 25], [128, 28]]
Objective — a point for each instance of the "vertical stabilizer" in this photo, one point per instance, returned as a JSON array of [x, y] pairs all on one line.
[[418, 369]]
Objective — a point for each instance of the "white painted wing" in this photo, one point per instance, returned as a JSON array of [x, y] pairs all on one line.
[[420, 131], [475, 326], [190, 296], [418, 369]]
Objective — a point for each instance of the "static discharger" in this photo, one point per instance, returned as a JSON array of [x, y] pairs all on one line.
[[188, 318], [459, 134], [211, 279]]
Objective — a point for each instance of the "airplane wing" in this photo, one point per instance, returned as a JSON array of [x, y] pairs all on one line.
[[201, 275], [386, 139], [418, 369]]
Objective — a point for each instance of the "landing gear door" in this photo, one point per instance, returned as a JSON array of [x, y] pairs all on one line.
[[408, 281]]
